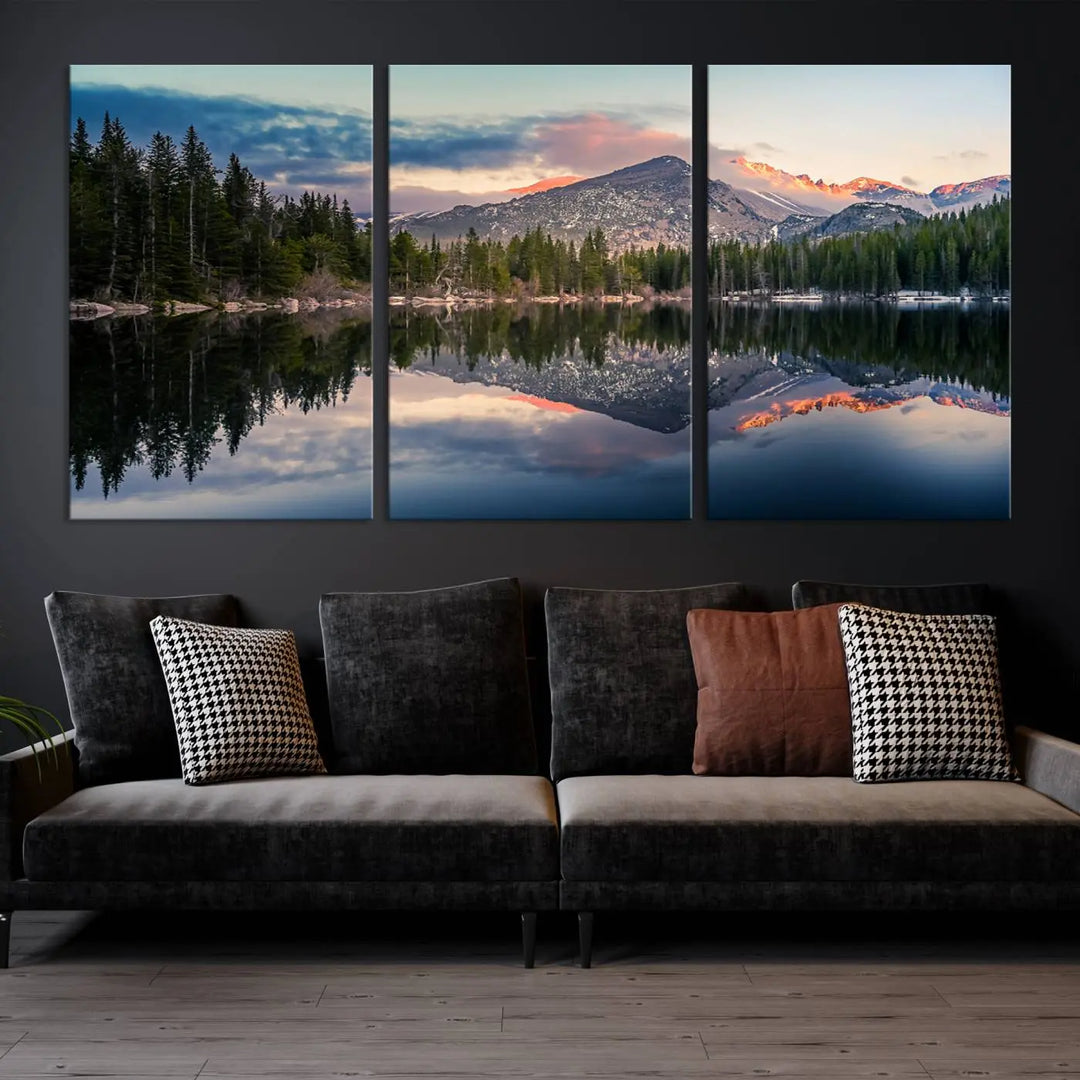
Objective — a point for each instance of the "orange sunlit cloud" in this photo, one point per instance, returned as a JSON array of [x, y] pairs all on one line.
[[596, 143]]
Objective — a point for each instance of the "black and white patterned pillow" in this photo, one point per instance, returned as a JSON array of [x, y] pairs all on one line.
[[925, 696], [237, 700]]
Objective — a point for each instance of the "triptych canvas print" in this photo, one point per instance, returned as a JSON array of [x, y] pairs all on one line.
[[540, 262]]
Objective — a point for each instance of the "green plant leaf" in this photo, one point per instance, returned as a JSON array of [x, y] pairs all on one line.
[[31, 721]]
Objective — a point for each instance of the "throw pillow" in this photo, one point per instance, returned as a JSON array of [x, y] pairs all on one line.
[[237, 700], [429, 682], [925, 696], [623, 692], [116, 694], [772, 693]]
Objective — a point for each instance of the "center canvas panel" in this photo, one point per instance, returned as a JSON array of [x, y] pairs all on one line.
[[220, 277], [540, 292]]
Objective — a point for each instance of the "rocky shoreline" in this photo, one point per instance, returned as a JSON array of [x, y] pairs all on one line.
[[87, 310], [452, 300]]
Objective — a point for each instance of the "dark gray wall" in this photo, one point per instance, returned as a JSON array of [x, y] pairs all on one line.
[[279, 569]]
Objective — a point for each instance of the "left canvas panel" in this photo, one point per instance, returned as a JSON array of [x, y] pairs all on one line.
[[220, 292]]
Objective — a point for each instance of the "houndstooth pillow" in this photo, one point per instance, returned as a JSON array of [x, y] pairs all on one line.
[[237, 700], [925, 696]]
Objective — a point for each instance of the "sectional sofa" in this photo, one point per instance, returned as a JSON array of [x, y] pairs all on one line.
[[434, 798]]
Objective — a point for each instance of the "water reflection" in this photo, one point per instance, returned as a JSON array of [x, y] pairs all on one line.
[[541, 411], [261, 415], [859, 411]]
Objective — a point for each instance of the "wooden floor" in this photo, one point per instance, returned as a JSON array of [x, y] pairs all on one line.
[[373, 995]]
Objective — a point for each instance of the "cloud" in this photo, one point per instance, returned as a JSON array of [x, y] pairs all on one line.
[[721, 157], [448, 144], [312, 146], [768, 148], [910, 181], [411, 198], [586, 144], [962, 155], [595, 143], [464, 429]]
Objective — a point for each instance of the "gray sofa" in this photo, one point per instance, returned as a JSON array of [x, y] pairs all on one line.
[[638, 832], [633, 830]]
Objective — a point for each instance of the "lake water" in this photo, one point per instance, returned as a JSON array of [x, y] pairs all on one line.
[[540, 411], [859, 411], [546, 411], [221, 416]]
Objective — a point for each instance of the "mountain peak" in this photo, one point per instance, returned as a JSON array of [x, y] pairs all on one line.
[[972, 190], [644, 204], [803, 181], [666, 163]]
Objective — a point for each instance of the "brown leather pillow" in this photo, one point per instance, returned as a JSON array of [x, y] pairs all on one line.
[[772, 693]]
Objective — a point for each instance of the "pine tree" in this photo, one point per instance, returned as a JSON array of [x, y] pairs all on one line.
[[85, 222], [197, 184], [117, 166]]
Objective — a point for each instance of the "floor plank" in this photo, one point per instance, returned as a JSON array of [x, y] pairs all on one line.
[[200, 997]]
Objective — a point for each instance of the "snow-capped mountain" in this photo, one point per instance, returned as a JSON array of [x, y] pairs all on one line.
[[971, 193], [856, 218], [644, 204], [828, 197], [649, 203]]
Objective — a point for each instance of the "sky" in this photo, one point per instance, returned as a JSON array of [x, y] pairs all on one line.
[[469, 133], [917, 125], [296, 127]]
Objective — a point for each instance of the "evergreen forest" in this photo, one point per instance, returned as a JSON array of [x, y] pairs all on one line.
[[534, 265], [946, 254], [166, 222]]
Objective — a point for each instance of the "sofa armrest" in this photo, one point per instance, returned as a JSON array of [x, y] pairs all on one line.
[[1049, 765], [24, 793]]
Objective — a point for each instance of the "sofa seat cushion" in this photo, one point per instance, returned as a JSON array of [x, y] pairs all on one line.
[[787, 828], [303, 828]]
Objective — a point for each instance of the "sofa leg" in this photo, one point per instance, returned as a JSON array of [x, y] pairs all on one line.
[[528, 937], [584, 930], [5, 937]]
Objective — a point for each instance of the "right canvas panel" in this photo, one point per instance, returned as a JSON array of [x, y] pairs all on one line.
[[859, 292]]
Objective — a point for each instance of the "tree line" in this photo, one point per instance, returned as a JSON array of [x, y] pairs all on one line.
[[536, 336], [945, 254], [534, 265], [860, 342], [165, 222]]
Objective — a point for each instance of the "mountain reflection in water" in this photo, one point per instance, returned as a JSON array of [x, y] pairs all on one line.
[[546, 411], [540, 411], [859, 411]]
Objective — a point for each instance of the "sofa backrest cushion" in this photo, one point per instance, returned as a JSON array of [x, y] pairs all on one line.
[[772, 693], [429, 682], [116, 692], [623, 692], [964, 598]]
